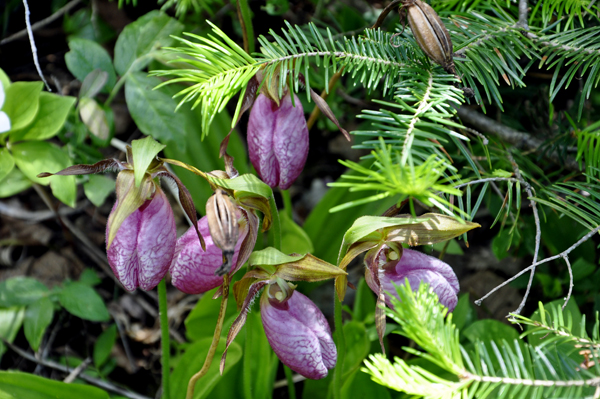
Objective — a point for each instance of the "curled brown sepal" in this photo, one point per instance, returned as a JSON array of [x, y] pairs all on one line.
[[222, 215], [239, 322], [341, 282], [106, 165], [309, 268], [242, 287], [260, 204], [433, 228], [185, 198], [324, 107], [248, 244]]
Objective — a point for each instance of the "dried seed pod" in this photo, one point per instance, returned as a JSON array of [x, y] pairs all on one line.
[[430, 33], [222, 215]]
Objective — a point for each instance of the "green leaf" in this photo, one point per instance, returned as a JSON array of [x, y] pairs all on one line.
[[293, 238], [357, 346], [501, 244], [200, 323], [82, 301], [89, 277], [4, 79], [271, 257], [37, 318], [98, 188], [247, 184], [98, 119], [192, 361], [21, 291], [7, 163], [453, 247], [34, 157], [138, 39], [21, 103], [359, 385], [50, 118], [464, 313], [364, 303], [11, 320], [17, 385], [153, 111], [104, 345], [85, 57], [261, 359], [490, 330], [93, 83], [14, 183], [144, 152]]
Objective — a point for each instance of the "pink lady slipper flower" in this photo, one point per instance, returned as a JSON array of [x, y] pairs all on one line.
[[143, 247], [298, 333], [417, 267], [277, 140], [192, 269]]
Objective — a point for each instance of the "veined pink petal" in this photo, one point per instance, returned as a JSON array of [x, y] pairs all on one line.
[[122, 254], [193, 270], [300, 336]]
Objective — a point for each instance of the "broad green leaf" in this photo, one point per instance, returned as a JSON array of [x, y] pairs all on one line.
[[93, 83], [21, 291], [357, 346], [50, 118], [501, 244], [104, 345], [17, 385], [247, 184], [261, 358], [490, 330], [7, 163], [359, 385], [89, 277], [97, 119], [85, 57], [453, 247], [11, 320], [133, 50], [271, 257], [14, 183], [144, 152], [464, 313], [38, 317], [98, 188], [200, 323], [22, 103], [82, 301], [34, 157], [293, 238], [364, 303], [153, 111], [192, 361]]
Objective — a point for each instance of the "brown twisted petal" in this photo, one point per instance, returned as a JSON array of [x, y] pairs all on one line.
[[222, 215], [430, 33]]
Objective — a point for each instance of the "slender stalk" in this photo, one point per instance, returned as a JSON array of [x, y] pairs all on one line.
[[341, 348], [245, 17], [247, 374], [115, 90], [290, 382], [287, 202], [314, 115], [164, 337], [215, 341], [276, 224]]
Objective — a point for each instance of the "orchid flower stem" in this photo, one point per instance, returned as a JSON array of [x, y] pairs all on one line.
[[248, 359], [215, 341], [276, 224], [245, 16], [290, 381], [341, 349], [287, 202], [164, 337]]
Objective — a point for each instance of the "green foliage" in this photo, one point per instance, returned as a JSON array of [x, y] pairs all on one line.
[[15, 385]]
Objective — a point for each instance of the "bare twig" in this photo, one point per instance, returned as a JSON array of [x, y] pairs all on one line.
[[487, 179], [40, 24], [538, 229], [32, 44], [77, 370], [566, 258], [57, 366], [521, 140], [560, 255], [284, 382], [522, 23], [35, 216]]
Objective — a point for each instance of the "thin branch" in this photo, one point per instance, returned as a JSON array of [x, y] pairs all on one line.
[[57, 366], [522, 23], [78, 370], [538, 229], [560, 255], [488, 179], [32, 44], [566, 258], [40, 24], [594, 382], [521, 140]]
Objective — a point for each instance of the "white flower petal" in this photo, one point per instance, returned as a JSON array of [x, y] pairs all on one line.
[[4, 122]]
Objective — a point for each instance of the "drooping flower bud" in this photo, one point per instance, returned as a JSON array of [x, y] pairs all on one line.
[[299, 335], [222, 216], [277, 140], [193, 270], [143, 247], [417, 267]]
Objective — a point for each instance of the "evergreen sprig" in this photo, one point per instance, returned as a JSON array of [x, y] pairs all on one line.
[[503, 369]]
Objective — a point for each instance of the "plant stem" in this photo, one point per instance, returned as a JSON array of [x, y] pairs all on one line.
[[164, 337], [115, 90], [215, 341], [247, 374], [276, 224], [341, 348], [287, 202], [290, 382], [314, 115], [245, 17]]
